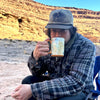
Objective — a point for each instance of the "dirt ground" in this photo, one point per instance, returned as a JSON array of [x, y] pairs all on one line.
[[13, 65], [11, 75]]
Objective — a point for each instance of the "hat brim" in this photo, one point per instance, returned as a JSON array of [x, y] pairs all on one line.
[[57, 26]]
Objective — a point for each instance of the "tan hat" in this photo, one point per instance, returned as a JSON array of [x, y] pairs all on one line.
[[61, 18]]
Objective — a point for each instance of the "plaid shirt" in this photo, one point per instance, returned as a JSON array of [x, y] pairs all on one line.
[[69, 75]]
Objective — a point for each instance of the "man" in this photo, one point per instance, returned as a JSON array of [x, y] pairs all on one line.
[[69, 77]]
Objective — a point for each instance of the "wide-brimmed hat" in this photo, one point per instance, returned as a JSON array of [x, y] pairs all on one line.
[[61, 19]]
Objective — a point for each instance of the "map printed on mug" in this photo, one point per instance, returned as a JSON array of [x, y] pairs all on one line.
[[57, 47]]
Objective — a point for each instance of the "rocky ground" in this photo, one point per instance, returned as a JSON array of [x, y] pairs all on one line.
[[13, 65]]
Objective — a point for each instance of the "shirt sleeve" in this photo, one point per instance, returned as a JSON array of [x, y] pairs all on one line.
[[36, 67], [80, 71]]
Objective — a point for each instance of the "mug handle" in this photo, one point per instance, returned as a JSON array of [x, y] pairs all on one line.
[[50, 43]]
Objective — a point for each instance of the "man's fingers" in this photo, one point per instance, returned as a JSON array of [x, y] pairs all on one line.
[[44, 53], [43, 49], [47, 39], [15, 94], [43, 43], [18, 98], [18, 88], [42, 46]]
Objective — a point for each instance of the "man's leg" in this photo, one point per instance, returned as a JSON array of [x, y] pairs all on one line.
[[32, 79], [80, 96]]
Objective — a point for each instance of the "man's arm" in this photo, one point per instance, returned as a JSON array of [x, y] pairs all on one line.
[[36, 67], [35, 62]]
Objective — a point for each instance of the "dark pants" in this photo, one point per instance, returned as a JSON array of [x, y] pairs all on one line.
[[34, 79]]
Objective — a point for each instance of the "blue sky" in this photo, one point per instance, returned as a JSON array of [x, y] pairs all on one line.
[[85, 4]]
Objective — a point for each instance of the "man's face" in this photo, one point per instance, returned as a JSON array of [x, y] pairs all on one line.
[[60, 33]]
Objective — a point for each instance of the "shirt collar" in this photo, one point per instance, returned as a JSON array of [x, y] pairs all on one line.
[[70, 42]]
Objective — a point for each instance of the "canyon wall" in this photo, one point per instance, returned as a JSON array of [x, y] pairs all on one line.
[[26, 20]]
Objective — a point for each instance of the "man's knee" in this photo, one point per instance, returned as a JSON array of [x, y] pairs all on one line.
[[32, 79], [27, 80]]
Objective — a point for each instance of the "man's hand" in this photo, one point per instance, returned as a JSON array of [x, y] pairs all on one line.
[[22, 92], [41, 49]]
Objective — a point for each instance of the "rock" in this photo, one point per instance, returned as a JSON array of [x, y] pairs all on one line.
[[26, 20]]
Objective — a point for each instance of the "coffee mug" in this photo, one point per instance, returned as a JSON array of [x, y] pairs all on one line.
[[57, 47]]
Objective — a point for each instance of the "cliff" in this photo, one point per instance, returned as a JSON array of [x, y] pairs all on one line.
[[26, 20]]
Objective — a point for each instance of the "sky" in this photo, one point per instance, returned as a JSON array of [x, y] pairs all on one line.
[[84, 4]]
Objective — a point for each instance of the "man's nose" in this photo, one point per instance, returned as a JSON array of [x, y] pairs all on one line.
[[57, 34]]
